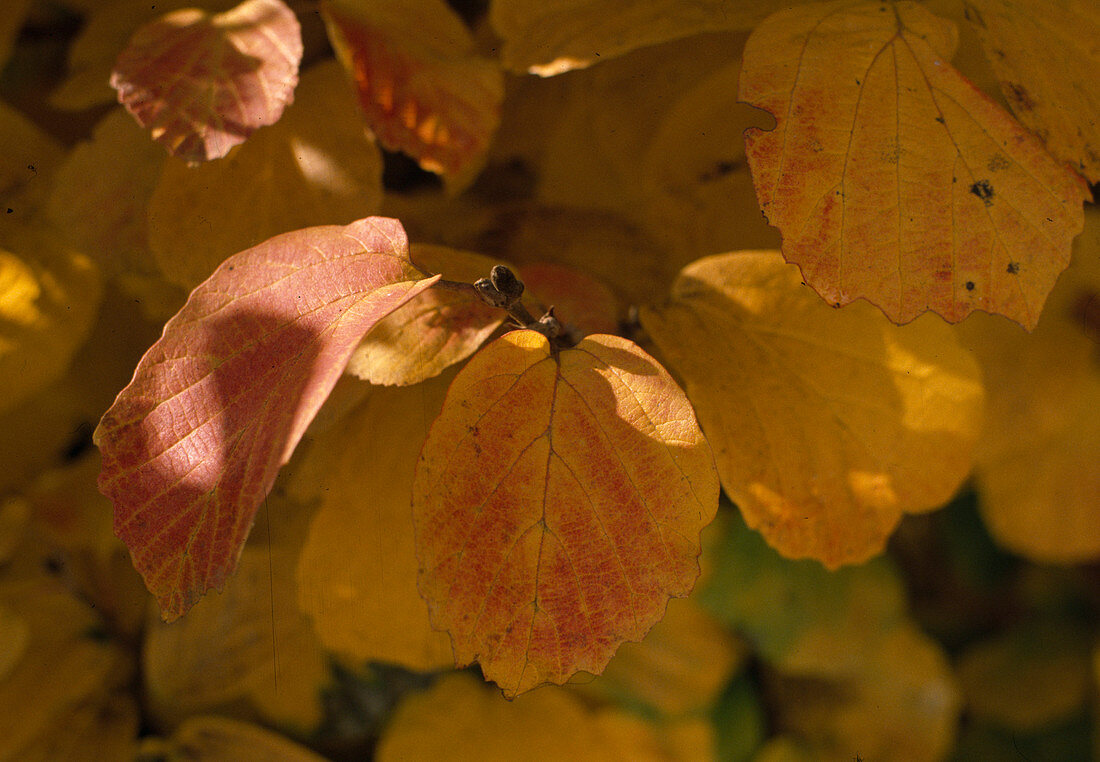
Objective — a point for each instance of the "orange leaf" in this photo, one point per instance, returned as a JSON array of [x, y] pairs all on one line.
[[891, 177], [827, 424], [1048, 63], [582, 303], [218, 404], [433, 331], [202, 83], [421, 86], [558, 503]]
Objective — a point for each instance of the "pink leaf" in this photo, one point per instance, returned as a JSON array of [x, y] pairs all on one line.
[[218, 404], [202, 83]]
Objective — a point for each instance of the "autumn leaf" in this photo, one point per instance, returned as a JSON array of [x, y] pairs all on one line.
[[29, 158], [582, 303], [460, 719], [208, 738], [891, 178], [433, 331], [422, 87], [49, 295], [320, 168], [218, 404], [1037, 454], [548, 38], [356, 576], [1048, 63], [557, 504], [827, 424], [201, 83], [11, 21]]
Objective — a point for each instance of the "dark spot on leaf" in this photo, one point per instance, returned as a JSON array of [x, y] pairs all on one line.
[[10, 210], [1019, 96], [983, 190], [998, 162], [1013, 268], [970, 285], [941, 120], [720, 169], [79, 443]]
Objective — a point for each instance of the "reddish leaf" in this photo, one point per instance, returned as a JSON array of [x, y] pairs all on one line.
[[202, 83], [891, 177], [422, 88], [217, 405], [558, 503]]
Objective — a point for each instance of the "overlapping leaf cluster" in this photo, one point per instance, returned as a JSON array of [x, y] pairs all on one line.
[[388, 471]]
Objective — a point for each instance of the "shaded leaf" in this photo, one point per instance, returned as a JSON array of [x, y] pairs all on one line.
[[11, 21], [557, 504], [680, 668], [827, 424], [583, 304], [1048, 63], [1027, 677], [902, 704], [49, 295], [421, 85], [548, 38], [28, 160], [1037, 455], [460, 719], [437, 329], [201, 83], [798, 616], [249, 644], [213, 739], [218, 404], [357, 572], [891, 177], [318, 166]]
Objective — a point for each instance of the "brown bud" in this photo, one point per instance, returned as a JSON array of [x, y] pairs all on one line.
[[506, 283], [490, 294]]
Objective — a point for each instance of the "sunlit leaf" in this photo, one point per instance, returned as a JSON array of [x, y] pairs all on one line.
[[460, 719], [891, 178], [218, 404], [1037, 455], [1048, 62], [201, 83], [421, 85], [357, 572], [549, 38], [1028, 677], [827, 424], [250, 643], [214, 739], [437, 329], [902, 704], [49, 295], [318, 166], [558, 504]]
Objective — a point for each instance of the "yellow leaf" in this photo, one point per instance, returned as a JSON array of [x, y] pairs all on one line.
[[11, 21], [219, 739], [248, 643], [558, 503], [27, 162], [49, 295], [461, 719], [357, 572], [551, 37], [891, 177], [680, 668], [1048, 62], [1037, 455], [827, 424], [107, 219], [421, 85], [435, 330], [318, 167], [58, 698], [901, 705], [1027, 678]]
